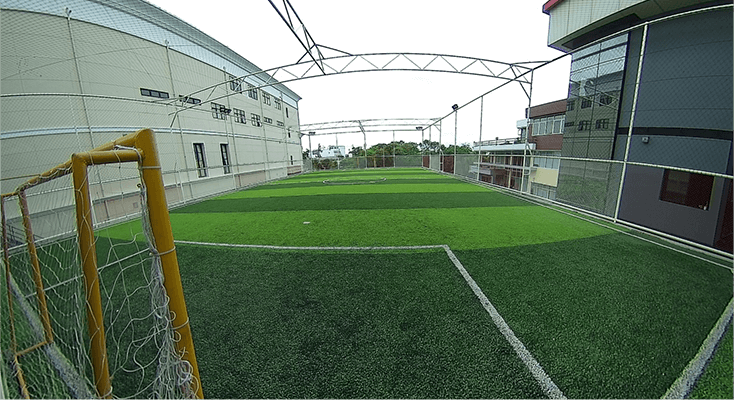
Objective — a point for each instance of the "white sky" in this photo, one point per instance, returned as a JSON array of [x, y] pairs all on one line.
[[508, 31]]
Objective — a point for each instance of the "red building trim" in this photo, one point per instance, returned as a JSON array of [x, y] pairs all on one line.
[[550, 4]]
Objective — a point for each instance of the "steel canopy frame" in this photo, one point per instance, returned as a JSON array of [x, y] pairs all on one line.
[[370, 62]]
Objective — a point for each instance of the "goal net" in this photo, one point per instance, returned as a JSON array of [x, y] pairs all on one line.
[[93, 305]]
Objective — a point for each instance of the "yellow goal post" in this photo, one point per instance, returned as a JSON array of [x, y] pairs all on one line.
[[138, 147]]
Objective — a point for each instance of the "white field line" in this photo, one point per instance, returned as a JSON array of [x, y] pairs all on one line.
[[682, 386], [545, 382]]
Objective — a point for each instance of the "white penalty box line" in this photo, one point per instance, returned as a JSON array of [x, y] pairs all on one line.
[[546, 383]]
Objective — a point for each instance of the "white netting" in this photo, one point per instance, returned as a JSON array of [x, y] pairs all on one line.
[[140, 340]]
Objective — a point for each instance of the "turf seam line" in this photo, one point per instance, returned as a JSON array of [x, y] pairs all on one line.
[[681, 388], [545, 382]]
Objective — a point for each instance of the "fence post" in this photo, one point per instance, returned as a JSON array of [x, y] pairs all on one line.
[[632, 122]]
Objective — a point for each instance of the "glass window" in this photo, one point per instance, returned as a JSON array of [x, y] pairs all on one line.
[[224, 149], [688, 189], [251, 92], [255, 119], [200, 158], [219, 111], [235, 84], [239, 116]]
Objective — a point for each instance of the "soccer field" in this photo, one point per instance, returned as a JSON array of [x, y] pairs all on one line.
[[449, 290]]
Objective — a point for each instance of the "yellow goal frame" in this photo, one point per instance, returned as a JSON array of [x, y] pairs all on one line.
[[137, 147]]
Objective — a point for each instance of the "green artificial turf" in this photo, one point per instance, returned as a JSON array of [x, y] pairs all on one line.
[[608, 316], [716, 381], [343, 325]]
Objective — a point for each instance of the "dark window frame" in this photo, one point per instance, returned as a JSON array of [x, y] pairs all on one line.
[[255, 119], [251, 92], [220, 111], [585, 103], [154, 93], [224, 150], [200, 157], [190, 100], [602, 123], [240, 116], [236, 84], [605, 99], [687, 189]]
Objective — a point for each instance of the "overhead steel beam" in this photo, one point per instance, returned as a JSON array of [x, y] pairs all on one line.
[[352, 63], [309, 44]]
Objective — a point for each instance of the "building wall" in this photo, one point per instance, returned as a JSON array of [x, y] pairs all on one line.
[[641, 204], [683, 116], [574, 23], [72, 85]]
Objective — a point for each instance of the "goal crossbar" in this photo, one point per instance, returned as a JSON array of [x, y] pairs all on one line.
[[137, 147]]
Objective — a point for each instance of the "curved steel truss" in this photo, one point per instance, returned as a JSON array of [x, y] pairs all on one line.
[[350, 63], [366, 125]]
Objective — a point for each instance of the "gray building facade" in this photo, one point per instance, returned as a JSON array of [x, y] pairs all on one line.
[[679, 109]]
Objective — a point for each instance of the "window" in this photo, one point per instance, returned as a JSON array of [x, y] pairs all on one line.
[[280, 123], [289, 132], [584, 125], [541, 127], [291, 160], [688, 189], [153, 93], [200, 159], [239, 116], [286, 112], [255, 119], [585, 103], [605, 99], [268, 120], [251, 92], [570, 104], [557, 123], [602, 123], [278, 105], [569, 124], [266, 99], [219, 111], [190, 100], [224, 148], [235, 84]]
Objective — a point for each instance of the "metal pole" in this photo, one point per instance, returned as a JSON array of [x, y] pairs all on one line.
[[456, 132], [525, 147], [365, 149], [481, 114], [393, 149], [440, 152], [36, 268], [95, 318], [632, 122]]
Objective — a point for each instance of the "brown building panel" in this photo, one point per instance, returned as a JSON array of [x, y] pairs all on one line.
[[552, 108], [547, 142]]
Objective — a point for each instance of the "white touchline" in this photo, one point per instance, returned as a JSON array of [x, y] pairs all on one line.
[[545, 382], [681, 388]]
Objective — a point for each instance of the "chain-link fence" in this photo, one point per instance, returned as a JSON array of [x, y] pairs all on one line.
[[635, 139]]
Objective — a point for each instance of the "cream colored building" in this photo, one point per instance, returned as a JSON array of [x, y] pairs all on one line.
[[79, 73]]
